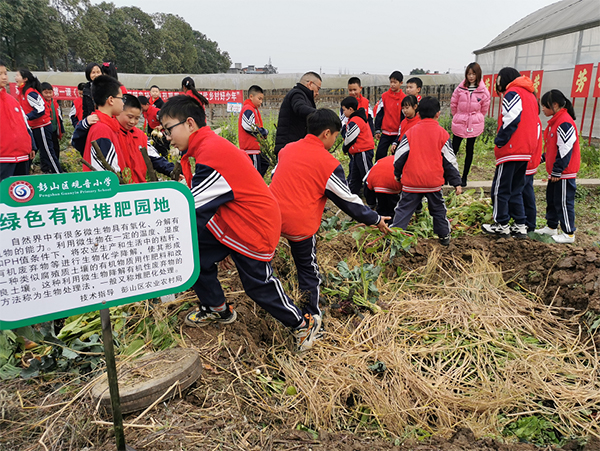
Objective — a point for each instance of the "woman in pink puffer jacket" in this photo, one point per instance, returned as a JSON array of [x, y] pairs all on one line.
[[469, 105]]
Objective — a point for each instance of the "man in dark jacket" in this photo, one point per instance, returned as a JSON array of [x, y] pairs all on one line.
[[295, 108]]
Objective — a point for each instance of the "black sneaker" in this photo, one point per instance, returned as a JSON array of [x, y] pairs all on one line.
[[204, 316], [445, 240], [518, 231]]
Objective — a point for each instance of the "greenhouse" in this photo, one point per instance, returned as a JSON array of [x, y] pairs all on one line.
[[554, 40]]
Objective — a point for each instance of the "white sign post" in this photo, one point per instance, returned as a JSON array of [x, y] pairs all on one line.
[[73, 243]]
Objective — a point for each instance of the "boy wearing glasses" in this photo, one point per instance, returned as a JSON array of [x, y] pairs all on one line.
[[102, 125], [237, 216]]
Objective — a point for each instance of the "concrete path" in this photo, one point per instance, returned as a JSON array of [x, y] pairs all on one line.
[[487, 185]]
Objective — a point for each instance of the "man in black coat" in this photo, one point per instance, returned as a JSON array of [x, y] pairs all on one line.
[[295, 108]]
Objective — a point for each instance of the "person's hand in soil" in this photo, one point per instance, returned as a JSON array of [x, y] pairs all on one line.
[[382, 225]]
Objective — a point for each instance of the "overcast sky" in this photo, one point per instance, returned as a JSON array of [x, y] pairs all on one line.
[[348, 36]]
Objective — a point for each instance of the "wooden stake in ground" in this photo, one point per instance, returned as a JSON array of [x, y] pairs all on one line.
[[113, 384]]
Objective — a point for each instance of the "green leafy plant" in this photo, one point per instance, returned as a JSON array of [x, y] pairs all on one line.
[[533, 429]]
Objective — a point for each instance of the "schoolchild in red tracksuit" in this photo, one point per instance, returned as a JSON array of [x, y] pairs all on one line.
[[105, 129], [38, 115], [305, 177], [250, 129], [237, 216], [355, 90], [359, 144], [382, 182], [410, 105], [58, 129], [389, 115], [17, 146], [424, 160], [562, 163], [151, 123], [516, 142]]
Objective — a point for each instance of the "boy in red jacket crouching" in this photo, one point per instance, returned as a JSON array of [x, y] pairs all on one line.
[[237, 216], [305, 177], [423, 161]]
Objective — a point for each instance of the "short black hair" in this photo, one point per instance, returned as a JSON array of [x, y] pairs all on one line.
[[350, 102], [46, 86], [397, 75], [429, 107], [255, 89], [131, 101], [154, 86], [321, 120], [354, 81], [81, 86], [181, 107], [104, 87], [109, 69], [88, 70], [143, 100], [3, 64], [507, 76], [416, 80], [410, 100]]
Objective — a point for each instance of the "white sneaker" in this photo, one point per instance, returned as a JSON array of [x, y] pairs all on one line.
[[564, 238], [547, 231], [496, 229]]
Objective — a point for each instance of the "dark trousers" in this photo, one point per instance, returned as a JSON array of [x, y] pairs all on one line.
[[14, 169], [43, 142], [437, 208], [386, 203], [309, 279], [529, 203], [260, 162], [384, 144], [56, 145], [507, 192], [560, 208], [360, 164], [456, 141], [257, 278]]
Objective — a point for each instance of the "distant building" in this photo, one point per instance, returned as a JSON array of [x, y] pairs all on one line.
[[252, 69]]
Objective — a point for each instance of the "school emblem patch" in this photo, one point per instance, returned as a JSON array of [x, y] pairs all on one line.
[[21, 191]]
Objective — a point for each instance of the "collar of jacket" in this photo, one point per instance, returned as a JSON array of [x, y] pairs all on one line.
[[359, 113], [305, 90]]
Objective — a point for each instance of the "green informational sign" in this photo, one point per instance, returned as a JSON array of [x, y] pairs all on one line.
[[73, 243]]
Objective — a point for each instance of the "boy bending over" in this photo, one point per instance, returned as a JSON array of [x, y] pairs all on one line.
[[237, 216], [305, 177], [423, 160]]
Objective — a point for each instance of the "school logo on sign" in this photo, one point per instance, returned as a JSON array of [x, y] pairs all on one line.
[[21, 191]]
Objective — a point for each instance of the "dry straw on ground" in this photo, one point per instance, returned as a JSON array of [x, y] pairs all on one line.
[[460, 349], [455, 347]]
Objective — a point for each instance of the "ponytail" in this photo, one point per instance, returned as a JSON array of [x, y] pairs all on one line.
[[555, 96], [32, 81], [188, 83]]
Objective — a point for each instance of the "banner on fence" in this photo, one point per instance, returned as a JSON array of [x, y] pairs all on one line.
[[582, 80], [214, 97]]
